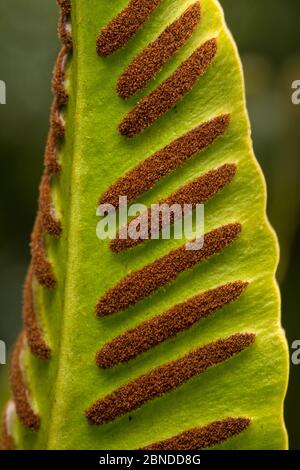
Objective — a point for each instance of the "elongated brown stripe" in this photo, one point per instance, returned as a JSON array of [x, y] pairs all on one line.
[[52, 164], [34, 334], [204, 437], [47, 211], [147, 173], [198, 191], [64, 25], [140, 284], [170, 92], [165, 378], [175, 320], [56, 119], [124, 26], [41, 267], [6, 441], [151, 60], [58, 81], [20, 391], [65, 6]]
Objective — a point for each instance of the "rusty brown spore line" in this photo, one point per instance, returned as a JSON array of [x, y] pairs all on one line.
[[20, 391], [58, 80], [166, 378], [57, 120], [124, 26], [177, 319], [198, 191], [6, 438], [203, 437], [140, 284], [147, 173], [64, 32], [47, 221], [33, 330], [51, 162], [52, 167], [65, 6], [150, 61], [177, 31], [40, 266], [170, 92], [51, 223]]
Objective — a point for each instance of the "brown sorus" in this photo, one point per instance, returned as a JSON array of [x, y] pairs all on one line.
[[175, 320], [41, 267], [170, 92], [63, 25], [166, 378], [146, 65], [52, 164], [204, 437], [140, 284], [6, 439], [198, 191], [20, 391], [47, 211], [34, 334], [147, 173], [56, 119], [124, 26], [65, 6], [58, 80]]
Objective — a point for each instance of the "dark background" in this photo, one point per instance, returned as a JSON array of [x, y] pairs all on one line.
[[267, 33]]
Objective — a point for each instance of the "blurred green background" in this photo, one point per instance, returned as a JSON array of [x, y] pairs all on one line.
[[267, 34]]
